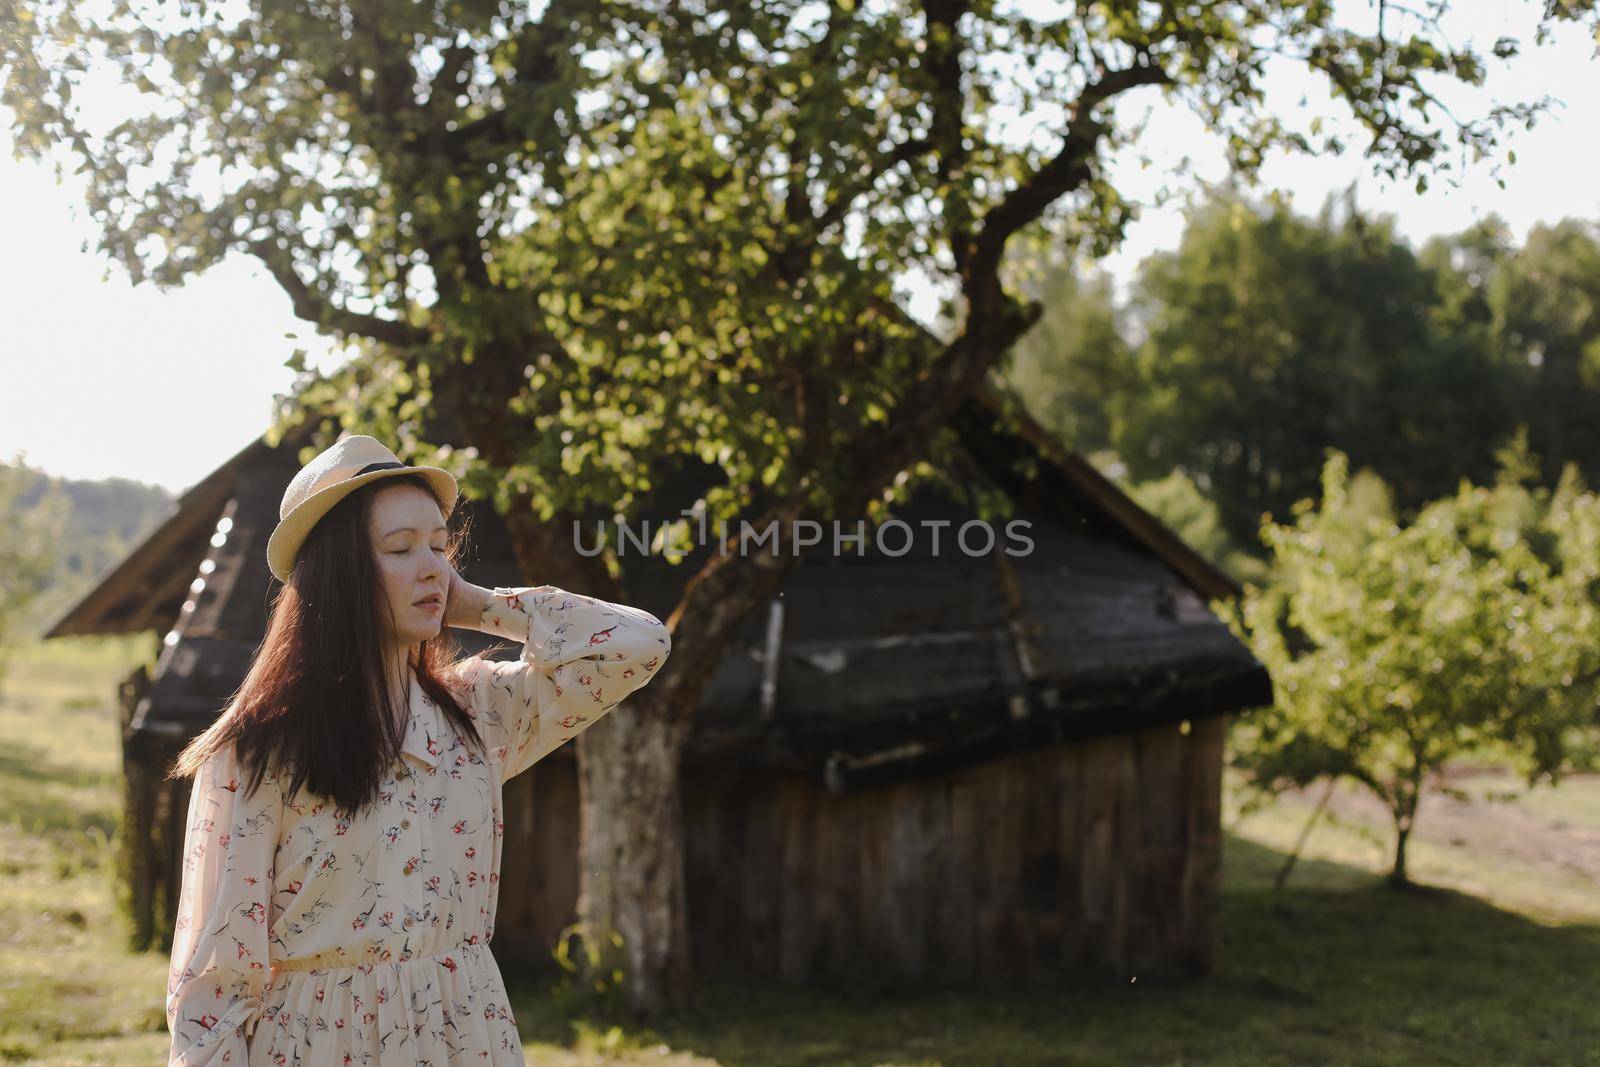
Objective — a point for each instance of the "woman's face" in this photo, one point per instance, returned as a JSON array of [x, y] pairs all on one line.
[[409, 537]]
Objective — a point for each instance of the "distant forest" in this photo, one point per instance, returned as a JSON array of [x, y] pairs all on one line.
[[90, 525], [1215, 385]]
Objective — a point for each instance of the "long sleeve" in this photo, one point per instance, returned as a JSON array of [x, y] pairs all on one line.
[[580, 658], [220, 963]]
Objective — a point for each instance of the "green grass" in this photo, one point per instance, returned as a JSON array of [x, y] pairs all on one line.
[[70, 992], [1336, 970], [1548, 891]]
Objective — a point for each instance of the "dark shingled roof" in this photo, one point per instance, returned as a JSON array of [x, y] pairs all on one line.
[[886, 666]]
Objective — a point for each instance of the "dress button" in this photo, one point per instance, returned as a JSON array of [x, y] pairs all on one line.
[[409, 922], [405, 824]]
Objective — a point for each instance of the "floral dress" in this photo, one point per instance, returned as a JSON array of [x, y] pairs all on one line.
[[308, 935]]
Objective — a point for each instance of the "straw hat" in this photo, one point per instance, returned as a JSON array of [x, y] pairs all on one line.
[[333, 474]]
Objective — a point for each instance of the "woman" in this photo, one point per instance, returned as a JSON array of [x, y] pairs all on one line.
[[342, 853]]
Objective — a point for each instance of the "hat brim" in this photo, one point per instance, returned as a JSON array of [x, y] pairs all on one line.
[[291, 532]]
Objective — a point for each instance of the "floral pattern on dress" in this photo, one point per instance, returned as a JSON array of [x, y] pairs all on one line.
[[309, 935]]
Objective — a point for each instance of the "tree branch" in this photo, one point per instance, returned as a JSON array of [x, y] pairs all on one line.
[[534, 70], [313, 305], [948, 129], [792, 257], [1069, 169], [447, 83], [951, 373], [796, 205], [840, 202]]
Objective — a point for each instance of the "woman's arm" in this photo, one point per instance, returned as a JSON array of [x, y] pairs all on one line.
[[580, 658], [464, 603]]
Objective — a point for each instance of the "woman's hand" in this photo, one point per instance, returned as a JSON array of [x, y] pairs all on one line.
[[464, 603]]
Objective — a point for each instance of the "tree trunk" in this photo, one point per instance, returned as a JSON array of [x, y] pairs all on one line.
[[1398, 876], [630, 859], [1408, 798]]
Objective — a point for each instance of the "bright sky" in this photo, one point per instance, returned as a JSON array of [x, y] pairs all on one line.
[[106, 379]]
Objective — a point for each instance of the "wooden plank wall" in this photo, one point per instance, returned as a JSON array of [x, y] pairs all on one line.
[[1100, 858], [538, 864], [166, 804]]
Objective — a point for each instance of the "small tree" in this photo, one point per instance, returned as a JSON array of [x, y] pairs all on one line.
[[27, 539], [1395, 649]]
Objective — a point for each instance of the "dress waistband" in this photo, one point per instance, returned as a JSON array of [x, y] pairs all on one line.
[[339, 960]]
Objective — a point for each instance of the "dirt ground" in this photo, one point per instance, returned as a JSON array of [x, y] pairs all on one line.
[[1512, 829]]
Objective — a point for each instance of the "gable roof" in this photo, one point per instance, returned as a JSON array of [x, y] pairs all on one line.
[[979, 422], [146, 589]]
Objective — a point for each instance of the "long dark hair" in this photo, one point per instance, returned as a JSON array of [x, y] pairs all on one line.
[[314, 708]]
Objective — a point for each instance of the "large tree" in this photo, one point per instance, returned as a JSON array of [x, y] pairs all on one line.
[[606, 233], [1546, 300], [1272, 336]]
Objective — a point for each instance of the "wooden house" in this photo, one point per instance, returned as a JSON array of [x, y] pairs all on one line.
[[927, 768]]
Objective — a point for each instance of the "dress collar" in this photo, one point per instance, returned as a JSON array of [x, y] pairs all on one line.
[[425, 727]]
